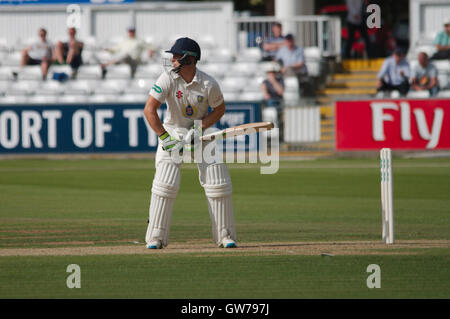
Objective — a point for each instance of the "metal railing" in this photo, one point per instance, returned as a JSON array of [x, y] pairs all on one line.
[[319, 31]]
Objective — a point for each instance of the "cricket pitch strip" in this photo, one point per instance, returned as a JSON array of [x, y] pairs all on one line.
[[203, 247]]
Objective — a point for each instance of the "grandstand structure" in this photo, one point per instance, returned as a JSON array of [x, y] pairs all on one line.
[[230, 52]]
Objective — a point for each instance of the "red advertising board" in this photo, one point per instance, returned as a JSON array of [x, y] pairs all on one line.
[[398, 124]]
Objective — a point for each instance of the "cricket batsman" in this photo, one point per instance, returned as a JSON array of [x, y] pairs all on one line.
[[187, 92]]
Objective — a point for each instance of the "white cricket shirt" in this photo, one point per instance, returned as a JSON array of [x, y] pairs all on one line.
[[186, 102]]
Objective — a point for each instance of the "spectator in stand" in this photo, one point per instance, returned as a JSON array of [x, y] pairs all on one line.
[[442, 42], [129, 51], [394, 73], [424, 76], [69, 52], [291, 58], [273, 86], [39, 53], [273, 43], [355, 21]]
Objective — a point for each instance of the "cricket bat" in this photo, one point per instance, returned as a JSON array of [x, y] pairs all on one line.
[[243, 129]]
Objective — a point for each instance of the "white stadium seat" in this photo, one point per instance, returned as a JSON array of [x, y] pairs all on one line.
[[413, 64], [253, 54], [82, 87], [444, 82], [90, 43], [149, 71], [230, 96], [270, 114], [443, 66], [254, 83], [89, 72], [291, 97], [139, 86], [244, 69], [72, 99], [312, 54], [103, 98], [313, 68], [207, 42], [418, 94], [132, 98], [102, 56], [51, 87], [13, 99], [291, 84], [12, 59], [234, 83], [22, 88], [6, 73], [4, 85], [4, 45], [113, 86], [251, 96], [119, 71], [89, 57], [112, 41], [30, 72], [221, 55], [445, 94], [216, 70], [42, 99]]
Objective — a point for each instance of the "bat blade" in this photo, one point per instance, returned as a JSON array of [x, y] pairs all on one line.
[[244, 129]]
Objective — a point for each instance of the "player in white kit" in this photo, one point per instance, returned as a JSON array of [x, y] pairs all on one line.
[[187, 93]]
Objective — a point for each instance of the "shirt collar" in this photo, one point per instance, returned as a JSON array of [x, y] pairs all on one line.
[[195, 79]]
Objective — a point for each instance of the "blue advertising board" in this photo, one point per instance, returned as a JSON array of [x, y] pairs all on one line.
[[94, 128]]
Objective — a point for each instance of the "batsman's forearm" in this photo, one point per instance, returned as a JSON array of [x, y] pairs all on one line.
[[213, 117], [153, 119]]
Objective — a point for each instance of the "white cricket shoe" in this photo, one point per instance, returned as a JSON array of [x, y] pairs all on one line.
[[155, 244], [227, 242]]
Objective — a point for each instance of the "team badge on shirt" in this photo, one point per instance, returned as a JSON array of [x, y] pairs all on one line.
[[179, 94], [189, 111]]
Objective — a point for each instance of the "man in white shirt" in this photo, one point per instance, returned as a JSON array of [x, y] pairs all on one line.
[[129, 51], [291, 58], [39, 53], [187, 92], [394, 73]]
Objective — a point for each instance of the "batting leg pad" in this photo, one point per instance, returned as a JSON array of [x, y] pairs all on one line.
[[164, 191], [218, 190]]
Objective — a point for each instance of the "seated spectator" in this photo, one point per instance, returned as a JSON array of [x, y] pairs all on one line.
[[292, 61], [39, 53], [424, 76], [273, 43], [273, 86], [442, 42], [291, 58], [394, 73], [69, 52], [129, 51]]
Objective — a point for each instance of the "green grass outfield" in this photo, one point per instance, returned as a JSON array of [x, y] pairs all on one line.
[[53, 211]]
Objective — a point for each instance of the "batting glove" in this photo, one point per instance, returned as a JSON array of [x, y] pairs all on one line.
[[169, 143]]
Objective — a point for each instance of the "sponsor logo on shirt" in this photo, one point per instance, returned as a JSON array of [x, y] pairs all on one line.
[[157, 88]]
